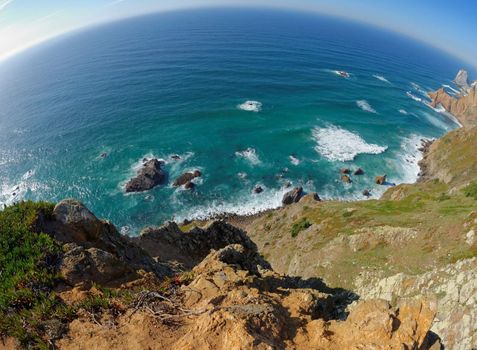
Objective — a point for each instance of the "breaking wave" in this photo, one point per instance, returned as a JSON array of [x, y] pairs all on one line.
[[380, 77], [337, 144], [365, 106], [250, 155], [250, 106]]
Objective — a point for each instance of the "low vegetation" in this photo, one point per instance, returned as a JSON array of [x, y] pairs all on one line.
[[299, 226]]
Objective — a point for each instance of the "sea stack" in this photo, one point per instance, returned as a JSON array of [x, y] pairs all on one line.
[[149, 176]]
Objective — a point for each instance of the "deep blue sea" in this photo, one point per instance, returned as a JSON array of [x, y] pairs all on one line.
[[176, 83]]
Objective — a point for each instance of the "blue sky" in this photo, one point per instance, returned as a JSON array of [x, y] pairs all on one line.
[[447, 24]]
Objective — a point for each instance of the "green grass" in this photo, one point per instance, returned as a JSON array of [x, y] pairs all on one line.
[[299, 226], [471, 190]]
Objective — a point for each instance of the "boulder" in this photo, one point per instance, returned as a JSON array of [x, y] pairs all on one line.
[[80, 265], [380, 180], [149, 176], [358, 171], [75, 223], [292, 196], [345, 171], [186, 177], [175, 157], [345, 178], [258, 189], [311, 197], [366, 193]]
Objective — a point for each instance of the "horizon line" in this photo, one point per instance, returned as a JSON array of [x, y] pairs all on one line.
[[36, 43]]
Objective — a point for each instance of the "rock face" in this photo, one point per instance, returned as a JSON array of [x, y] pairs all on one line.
[[292, 196], [237, 302], [169, 243], [456, 288], [462, 80], [186, 177], [463, 108], [94, 251], [149, 176]]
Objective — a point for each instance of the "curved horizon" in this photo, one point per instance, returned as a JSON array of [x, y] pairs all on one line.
[[472, 66]]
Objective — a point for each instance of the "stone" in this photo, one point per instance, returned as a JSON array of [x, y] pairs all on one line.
[[345, 178], [149, 176], [345, 171], [258, 189], [380, 180], [366, 193], [292, 196], [358, 171], [186, 177]]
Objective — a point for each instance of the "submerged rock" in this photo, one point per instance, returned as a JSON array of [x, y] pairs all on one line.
[[186, 177], [149, 176], [292, 196]]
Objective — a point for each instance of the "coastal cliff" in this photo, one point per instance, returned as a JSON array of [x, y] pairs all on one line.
[[463, 106], [392, 273]]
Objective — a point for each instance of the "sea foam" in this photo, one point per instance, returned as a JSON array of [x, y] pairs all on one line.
[[250, 106], [250, 155], [337, 144], [380, 77], [365, 106]]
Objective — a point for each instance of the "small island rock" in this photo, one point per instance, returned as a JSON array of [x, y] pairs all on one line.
[[186, 177], [358, 171], [148, 176], [345, 178], [380, 180]]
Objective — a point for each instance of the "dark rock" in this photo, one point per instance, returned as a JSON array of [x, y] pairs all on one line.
[[186, 177], [288, 184], [175, 157], [345, 171], [189, 185], [366, 193], [345, 178], [358, 171], [148, 176], [292, 196], [258, 189], [380, 180], [103, 155]]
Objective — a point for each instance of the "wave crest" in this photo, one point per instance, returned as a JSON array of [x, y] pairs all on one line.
[[365, 106], [250, 106], [337, 144]]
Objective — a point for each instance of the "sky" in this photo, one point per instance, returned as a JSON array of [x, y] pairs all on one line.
[[450, 25]]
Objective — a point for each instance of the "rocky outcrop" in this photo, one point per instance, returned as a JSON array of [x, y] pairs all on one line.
[[462, 80], [234, 302], [346, 179], [94, 251], [464, 108], [170, 243], [454, 287], [150, 175], [292, 196], [186, 178]]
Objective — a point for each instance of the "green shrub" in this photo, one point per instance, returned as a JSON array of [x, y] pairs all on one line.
[[471, 190], [299, 226], [28, 274], [443, 197]]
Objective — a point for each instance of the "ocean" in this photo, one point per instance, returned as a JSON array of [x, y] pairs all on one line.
[[178, 83]]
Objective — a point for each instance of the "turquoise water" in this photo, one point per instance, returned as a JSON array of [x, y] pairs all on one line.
[[173, 84]]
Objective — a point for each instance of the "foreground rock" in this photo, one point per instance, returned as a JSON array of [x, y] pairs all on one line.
[[94, 251], [292, 196], [235, 302], [149, 176], [186, 178]]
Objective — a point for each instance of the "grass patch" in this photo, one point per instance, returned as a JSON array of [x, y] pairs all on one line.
[[299, 226], [471, 190]]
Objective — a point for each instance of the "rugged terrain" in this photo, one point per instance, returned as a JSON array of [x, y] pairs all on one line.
[[399, 272]]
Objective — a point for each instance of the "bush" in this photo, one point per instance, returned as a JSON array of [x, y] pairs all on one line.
[[443, 197], [28, 273], [299, 226], [471, 190]]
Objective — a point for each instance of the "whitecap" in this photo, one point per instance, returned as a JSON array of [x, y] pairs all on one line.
[[380, 77], [250, 155], [415, 98], [337, 144], [250, 106], [409, 157], [365, 106], [294, 160], [242, 175], [403, 111]]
